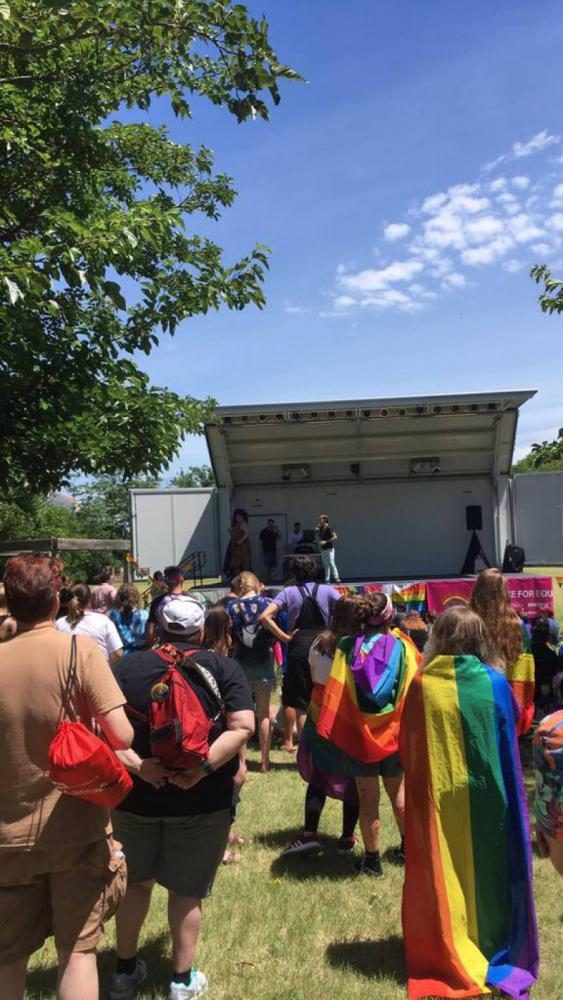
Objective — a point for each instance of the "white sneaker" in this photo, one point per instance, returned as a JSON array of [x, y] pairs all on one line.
[[197, 987], [124, 985]]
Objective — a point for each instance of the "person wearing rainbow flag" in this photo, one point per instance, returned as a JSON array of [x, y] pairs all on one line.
[[361, 714], [469, 921]]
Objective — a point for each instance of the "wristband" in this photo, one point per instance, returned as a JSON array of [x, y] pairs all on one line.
[[206, 767]]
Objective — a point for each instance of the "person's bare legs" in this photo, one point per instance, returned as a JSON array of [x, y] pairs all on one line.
[[12, 979], [551, 848], [395, 788], [288, 727], [368, 795], [78, 976], [184, 918], [300, 720], [262, 697], [130, 918]]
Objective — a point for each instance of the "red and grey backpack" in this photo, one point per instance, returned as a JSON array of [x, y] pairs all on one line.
[[179, 726]]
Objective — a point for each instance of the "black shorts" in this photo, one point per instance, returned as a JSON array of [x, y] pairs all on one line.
[[297, 684]]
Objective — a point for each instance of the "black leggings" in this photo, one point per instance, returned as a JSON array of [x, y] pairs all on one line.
[[314, 803]]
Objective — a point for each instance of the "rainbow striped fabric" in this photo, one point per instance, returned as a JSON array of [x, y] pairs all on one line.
[[521, 677], [413, 596], [349, 718], [468, 910]]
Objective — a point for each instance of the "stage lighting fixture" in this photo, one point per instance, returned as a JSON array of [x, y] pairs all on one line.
[[279, 416], [331, 414], [355, 468], [384, 413], [227, 420], [350, 413], [295, 415], [366, 413], [420, 409], [425, 466], [474, 407], [402, 412]]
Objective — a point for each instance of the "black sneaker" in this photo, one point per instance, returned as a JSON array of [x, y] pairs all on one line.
[[303, 845], [346, 845], [369, 866], [397, 854]]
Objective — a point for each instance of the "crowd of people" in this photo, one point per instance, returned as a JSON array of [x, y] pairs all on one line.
[[432, 710]]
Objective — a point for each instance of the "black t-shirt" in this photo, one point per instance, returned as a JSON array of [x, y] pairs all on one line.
[[136, 674], [269, 539], [325, 535]]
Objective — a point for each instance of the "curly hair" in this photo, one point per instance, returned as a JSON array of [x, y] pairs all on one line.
[[490, 599], [370, 606], [344, 621]]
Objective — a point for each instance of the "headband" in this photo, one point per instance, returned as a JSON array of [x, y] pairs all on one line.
[[386, 614]]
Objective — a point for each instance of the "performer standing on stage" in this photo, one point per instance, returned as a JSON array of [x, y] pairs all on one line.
[[327, 538]]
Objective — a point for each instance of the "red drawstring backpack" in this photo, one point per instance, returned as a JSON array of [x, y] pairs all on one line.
[[179, 727], [82, 764]]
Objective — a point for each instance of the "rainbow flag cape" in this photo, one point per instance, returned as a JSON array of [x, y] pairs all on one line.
[[521, 677], [468, 911], [349, 717]]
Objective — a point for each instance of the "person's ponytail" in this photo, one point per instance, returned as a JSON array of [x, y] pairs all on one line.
[[78, 603]]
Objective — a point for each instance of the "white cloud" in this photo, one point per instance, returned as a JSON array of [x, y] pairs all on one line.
[[513, 265], [488, 252], [523, 228], [296, 310], [450, 233], [396, 231], [373, 280], [483, 228], [555, 222], [455, 280], [538, 142], [543, 248]]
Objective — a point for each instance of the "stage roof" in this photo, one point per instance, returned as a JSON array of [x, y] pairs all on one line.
[[466, 434]]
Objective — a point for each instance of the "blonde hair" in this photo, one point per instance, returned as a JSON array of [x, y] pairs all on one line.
[[244, 583], [3, 604], [491, 601], [78, 603], [458, 631]]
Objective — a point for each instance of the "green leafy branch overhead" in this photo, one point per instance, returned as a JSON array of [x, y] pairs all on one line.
[[99, 253]]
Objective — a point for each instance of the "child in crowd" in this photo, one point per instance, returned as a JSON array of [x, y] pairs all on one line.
[[129, 619]]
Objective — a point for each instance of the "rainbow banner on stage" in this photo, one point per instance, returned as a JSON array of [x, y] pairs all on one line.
[[522, 677], [412, 596], [349, 717], [468, 911]]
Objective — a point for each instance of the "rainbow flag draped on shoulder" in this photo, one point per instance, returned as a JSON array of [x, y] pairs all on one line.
[[521, 677], [468, 911], [358, 715]]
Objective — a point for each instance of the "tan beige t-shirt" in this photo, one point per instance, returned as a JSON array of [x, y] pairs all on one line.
[[33, 673]]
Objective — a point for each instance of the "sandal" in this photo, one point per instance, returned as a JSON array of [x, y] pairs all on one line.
[[234, 838], [231, 858]]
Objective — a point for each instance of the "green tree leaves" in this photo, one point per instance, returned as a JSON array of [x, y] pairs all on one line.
[[97, 258], [195, 476], [551, 299]]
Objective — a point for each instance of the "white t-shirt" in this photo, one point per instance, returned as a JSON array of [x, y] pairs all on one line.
[[98, 627], [320, 664]]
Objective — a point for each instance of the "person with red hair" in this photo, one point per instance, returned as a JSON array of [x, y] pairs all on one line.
[[61, 873]]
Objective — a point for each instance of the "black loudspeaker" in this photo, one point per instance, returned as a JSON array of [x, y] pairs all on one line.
[[474, 517]]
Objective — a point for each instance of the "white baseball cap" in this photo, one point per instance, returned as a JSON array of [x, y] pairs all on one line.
[[182, 615]]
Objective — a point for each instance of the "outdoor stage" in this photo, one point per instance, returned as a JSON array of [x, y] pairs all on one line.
[[531, 596]]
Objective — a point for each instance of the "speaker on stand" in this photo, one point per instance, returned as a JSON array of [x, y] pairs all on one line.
[[475, 551]]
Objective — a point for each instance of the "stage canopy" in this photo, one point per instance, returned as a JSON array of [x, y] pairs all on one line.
[[394, 439]]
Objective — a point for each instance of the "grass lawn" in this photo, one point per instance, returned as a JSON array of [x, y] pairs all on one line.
[[308, 930]]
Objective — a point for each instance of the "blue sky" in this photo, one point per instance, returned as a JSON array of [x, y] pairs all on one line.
[[405, 190]]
